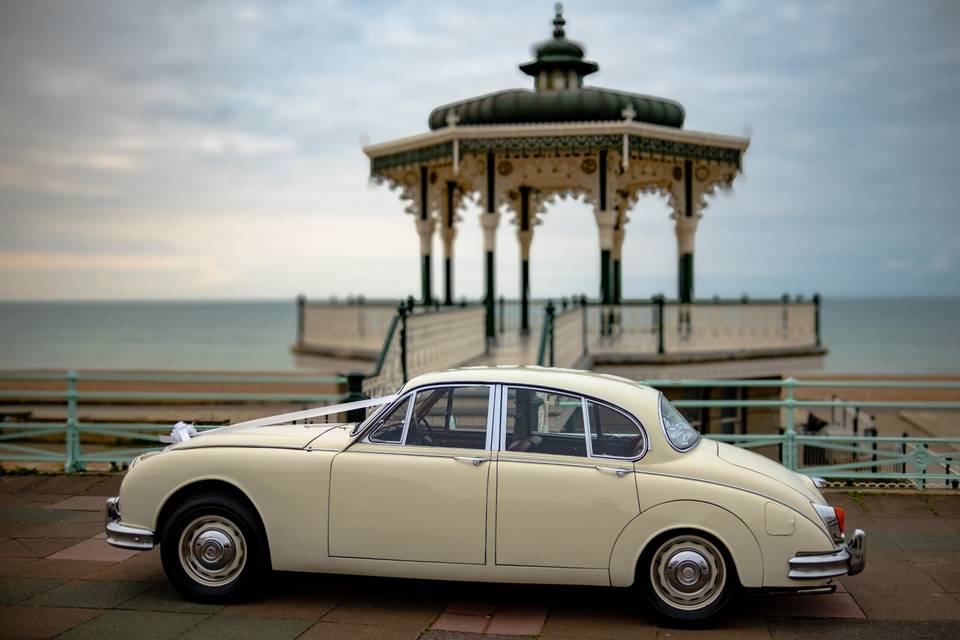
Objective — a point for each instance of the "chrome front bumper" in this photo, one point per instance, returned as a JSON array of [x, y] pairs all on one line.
[[848, 560], [122, 535]]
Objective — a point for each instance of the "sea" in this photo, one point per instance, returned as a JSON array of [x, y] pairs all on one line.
[[864, 335]]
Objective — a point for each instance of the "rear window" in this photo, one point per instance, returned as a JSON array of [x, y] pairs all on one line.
[[681, 435]]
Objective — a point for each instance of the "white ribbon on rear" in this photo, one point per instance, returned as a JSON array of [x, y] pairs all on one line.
[[179, 434]]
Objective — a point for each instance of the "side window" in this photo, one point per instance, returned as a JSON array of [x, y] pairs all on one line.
[[454, 417], [613, 433], [390, 429], [544, 422]]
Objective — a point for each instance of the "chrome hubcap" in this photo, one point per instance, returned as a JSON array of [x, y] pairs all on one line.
[[688, 572], [212, 551]]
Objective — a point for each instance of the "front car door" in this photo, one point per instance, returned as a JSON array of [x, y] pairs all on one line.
[[415, 487], [565, 486]]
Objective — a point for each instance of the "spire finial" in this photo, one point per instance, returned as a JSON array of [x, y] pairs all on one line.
[[558, 21]]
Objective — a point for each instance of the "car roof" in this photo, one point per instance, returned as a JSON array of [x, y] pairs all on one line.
[[604, 386]]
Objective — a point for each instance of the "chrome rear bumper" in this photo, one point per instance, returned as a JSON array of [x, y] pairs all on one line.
[[848, 560], [122, 535]]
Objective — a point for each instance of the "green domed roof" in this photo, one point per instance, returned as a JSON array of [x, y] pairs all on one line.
[[583, 104], [560, 96]]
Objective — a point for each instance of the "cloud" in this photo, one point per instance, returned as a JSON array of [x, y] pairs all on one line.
[[225, 138]]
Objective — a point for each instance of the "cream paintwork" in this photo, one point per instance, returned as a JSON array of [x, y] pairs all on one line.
[[450, 529]]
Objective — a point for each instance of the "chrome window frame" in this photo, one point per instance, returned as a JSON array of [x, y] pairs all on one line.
[[663, 427], [584, 398], [411, 395]]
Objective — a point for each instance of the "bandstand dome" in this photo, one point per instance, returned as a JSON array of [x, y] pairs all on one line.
[[559, 94]]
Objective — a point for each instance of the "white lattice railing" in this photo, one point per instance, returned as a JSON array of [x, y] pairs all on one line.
[[701, 327], [345, 328], [427, 341]]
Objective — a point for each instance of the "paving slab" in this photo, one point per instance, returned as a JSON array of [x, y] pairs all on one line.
[[898, 506], [809, 629], [96, 550], [911, 526], [164, 597], [74, 529], [45, 547], [834, 605], [294, 606], [908, 605], [461, 622], [886, 577], [143, 567], [70, 485], [134, 624], [19, 484], [471, 608], [402, 613], [33, 514], [14, 590], [731, 627], [600, 622], [60, 569], [237, 628], [324, 630], [518, 620], [28, 622], [946, 574], [89, 594], [82, 503]]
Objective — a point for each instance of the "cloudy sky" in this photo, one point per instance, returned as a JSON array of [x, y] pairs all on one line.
[[206, 149]]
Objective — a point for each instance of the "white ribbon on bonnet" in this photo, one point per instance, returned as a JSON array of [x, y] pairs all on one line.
[[182, 431]]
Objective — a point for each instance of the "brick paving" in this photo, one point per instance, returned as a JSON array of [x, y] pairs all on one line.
[[59, 578]]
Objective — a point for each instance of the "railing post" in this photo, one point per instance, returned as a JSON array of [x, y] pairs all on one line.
[[583, 327], [790, 432], [301, 303], [551, 315], [658, 301], [816, 318], [71, 439], [354, 393], [402, 311], [903, 452], [503, 303]]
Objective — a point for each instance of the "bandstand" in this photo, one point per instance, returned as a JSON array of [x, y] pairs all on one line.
[[516, 151]]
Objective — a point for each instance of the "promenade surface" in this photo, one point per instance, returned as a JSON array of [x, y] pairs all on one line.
[[58, 576]]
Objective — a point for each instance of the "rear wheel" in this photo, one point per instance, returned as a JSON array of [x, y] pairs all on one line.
[[687, 577], [213, 549]]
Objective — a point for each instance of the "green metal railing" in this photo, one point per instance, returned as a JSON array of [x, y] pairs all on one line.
[[74, 458], [916, 461]]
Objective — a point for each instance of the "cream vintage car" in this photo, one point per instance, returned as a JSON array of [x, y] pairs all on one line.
[[506, 474]]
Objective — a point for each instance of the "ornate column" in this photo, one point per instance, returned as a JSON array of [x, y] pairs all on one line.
[[606, 223], [448, 233], [686, 215], [615, 255], [490, 221], [525, 236], [425, 227]]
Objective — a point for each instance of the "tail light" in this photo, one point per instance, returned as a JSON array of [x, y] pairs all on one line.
[[834, 519]]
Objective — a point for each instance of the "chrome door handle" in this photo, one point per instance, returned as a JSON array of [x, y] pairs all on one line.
[[618, 472], [476, 461]]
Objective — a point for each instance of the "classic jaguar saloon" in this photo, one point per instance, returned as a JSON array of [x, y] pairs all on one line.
[[505, 474]]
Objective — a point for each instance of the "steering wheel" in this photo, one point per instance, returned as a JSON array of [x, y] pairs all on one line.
[[425, 431]]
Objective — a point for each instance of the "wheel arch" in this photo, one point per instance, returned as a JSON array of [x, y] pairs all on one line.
[[723, 526], [204, 486]]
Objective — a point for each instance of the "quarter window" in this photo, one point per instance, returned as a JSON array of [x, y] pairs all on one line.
[[390, 429], [612, 433], [544, 422]]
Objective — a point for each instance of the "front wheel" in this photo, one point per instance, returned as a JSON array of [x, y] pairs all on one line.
[[688, 577], [212, 549]]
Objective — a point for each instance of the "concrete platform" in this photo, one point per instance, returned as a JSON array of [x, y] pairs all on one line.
[[58, 578]]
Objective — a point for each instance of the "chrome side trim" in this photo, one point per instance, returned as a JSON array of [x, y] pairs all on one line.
[[122, 535], [847, 560]]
